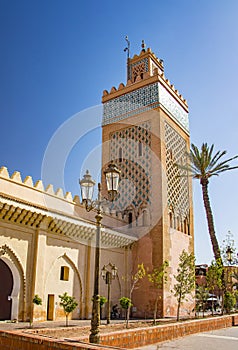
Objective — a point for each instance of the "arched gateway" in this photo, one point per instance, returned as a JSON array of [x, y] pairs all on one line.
[[6, 287]]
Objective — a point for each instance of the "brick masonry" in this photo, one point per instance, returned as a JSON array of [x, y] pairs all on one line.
[[122, 339]]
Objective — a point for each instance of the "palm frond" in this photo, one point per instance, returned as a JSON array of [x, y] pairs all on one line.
[[204, 164], [201, 163]]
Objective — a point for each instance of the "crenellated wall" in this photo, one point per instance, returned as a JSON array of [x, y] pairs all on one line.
[[156, 73], [46, 197], [43, 231]]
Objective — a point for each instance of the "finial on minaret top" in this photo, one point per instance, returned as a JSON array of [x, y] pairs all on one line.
[[128, 47], [128, 55], [143, 45]]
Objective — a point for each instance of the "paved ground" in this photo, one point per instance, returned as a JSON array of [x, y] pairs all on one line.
[[223, 339]]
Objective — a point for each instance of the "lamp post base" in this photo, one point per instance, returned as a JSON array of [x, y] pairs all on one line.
[[94, 338], [95, 321]]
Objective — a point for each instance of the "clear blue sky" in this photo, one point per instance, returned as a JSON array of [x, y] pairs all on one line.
[[58, 56]]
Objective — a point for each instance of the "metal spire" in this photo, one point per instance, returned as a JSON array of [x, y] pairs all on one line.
[[143, 45], [128, 56], [128, 47]]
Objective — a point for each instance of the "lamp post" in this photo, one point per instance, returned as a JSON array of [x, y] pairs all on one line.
[[229, 252], [230, 256], [108, 276], [112, 174]]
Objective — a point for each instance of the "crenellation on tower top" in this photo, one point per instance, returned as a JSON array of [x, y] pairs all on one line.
[[143, 69], [145, 77]]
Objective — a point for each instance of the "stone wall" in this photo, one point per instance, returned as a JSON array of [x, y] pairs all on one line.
[[124, 339]]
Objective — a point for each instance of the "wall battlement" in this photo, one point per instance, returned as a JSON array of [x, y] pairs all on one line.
[[156, 71], [28, 182], [36, 194]]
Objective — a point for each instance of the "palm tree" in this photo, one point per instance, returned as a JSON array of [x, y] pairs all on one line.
[[202, 165]]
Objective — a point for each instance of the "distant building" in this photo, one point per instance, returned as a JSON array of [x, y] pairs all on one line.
[[200, 275], [47, 237], [229, 272]]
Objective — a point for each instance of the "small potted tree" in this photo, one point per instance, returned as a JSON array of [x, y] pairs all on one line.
[[68, 303]]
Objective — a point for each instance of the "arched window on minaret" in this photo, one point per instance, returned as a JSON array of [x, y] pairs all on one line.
[[120, 155], [140, 149], [175, 222], [178, 223], [185, 225], [130, 220], [171, 221]]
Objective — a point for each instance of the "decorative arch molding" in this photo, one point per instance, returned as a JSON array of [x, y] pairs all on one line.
[[141, 214], [74, 267], [145, 214], [18, 295]]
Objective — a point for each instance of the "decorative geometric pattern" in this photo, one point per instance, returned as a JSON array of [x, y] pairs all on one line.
[[141, 100], [138, 67], [177, 185], [130, 148], [173, 107], [130, 104]]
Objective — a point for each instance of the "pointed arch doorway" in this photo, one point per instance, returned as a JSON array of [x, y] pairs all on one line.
[[6, 287]]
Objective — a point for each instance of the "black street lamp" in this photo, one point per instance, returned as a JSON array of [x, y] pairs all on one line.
[[108, 276], [229, 252], [230, 256], [112, 174]]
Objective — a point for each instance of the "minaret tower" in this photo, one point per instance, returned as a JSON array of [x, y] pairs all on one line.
[[145, 131]]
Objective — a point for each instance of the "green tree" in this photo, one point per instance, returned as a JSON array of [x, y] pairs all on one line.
[[68, 303], [185, 278], [103, 301], [126, 305], [203, 164], [214, 277], [135, 279], [235, 284], [202, 295], [37, 300], [229, 301], [236, 297], [157, 277]]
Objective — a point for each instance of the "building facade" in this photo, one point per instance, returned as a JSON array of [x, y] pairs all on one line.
[[47, 238], [47, 245], [146, 132]]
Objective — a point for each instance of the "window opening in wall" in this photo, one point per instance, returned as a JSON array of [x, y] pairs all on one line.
[[140, 149], [120, 154], [64, 273], [178, 223], [130, 219], [171, 219]]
